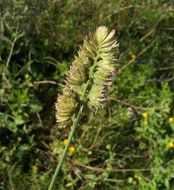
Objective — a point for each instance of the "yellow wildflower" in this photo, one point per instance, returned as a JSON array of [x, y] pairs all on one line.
[[171, 144], [65, 141], [171, 119], [133, 56], [145, 114], [145, 123], [71, 149], [137, 177]]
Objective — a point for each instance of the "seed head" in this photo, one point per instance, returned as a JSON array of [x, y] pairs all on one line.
[[65, 105], [91, 72]]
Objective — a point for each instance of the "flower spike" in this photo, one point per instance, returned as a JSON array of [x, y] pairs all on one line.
[[90, 74]]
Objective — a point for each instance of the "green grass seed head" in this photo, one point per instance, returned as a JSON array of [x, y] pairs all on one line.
[[65, 105], [90, 74], [107, 53]]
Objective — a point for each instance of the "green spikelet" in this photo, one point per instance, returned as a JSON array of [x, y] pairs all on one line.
[[76, 75], [96, 96], [65, 105], [105, 70]]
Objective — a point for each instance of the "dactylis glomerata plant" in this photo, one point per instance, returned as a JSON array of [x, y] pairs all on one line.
[[87, 81]]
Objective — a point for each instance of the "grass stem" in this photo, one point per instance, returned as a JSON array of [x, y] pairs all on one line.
[[75, 121]]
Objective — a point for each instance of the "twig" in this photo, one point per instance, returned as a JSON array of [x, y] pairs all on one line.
[[11, 51], [147, 47], [165, 68], [133, 106], [143, 38], [123, 9], [45, 82], [161, 80], [96, 169], [39, 118], [141, 53], [154, 27], [131, 61], [10, 178]]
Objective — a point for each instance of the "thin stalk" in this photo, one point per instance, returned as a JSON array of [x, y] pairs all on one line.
[[91, 71], [75, 120]]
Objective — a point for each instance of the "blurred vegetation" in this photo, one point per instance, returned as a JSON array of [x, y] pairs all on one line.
[[128, 145]]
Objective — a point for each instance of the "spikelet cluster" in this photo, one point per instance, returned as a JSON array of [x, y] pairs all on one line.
[[90, 74], [66, 105], [107, 52]]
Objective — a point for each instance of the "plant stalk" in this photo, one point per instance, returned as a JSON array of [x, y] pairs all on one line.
[[75, 120]]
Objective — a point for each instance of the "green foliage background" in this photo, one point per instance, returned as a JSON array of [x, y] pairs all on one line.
[[117, 148]]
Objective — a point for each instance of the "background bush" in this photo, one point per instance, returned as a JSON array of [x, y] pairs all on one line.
[[117, 148]]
